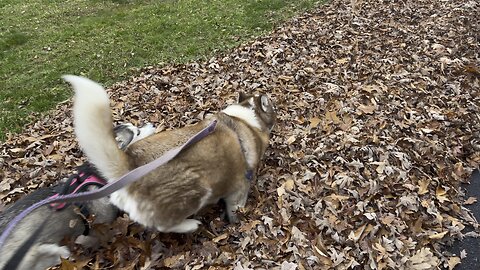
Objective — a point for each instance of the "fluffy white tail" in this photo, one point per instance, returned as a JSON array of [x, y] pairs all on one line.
[[94, 128]]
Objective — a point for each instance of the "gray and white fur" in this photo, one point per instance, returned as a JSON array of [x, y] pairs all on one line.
[[46, 249]]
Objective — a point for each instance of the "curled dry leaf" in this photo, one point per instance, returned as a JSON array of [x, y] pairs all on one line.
[[470, 200], [452, 262]]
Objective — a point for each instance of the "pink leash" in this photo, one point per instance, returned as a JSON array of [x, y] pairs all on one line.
[[111, 187], [90, 180]]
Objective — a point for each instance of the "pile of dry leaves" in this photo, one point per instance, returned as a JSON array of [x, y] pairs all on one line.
[[379, 124]]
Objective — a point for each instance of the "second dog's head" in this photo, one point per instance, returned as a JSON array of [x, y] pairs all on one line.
[[126, 134]]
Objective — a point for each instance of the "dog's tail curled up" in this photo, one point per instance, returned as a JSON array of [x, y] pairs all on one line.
[[94, 128]]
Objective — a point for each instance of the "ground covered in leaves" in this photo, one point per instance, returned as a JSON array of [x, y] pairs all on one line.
[[378, 125]]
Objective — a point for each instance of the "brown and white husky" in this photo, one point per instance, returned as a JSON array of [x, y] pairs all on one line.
[[217, 167]]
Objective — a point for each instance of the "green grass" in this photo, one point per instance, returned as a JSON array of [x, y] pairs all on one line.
[[107, 40]]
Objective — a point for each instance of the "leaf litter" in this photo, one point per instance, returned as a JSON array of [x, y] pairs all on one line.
[[378, 125]]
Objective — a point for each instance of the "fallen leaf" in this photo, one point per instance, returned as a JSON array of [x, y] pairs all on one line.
[[470, 200], [342, 61], [423, 259], [288, 266], [220, 238], [314, 122], [291, 139], [289, 185], [463, 254], [366, 109], [423, 186], [355, 235], [452, 262], [438, 235], [441, 195]]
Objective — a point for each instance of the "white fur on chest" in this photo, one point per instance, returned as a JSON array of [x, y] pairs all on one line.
[[244, 113], [249, 116]]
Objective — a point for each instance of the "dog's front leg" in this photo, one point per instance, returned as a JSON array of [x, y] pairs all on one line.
[[235, 201]]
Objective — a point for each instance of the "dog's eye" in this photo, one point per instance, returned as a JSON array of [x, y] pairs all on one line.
[[138, 132]]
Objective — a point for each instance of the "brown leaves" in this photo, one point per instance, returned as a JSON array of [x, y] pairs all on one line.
[[470, 200], [365, 109], [423, 259], [69, 265], [377, 127], [314, 121]]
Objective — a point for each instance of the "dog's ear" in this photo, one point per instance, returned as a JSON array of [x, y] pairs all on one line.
[[242, 96], [266, 105], [123, 135]]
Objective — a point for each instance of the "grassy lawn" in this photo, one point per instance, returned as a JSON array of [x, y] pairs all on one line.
[[108, 40]]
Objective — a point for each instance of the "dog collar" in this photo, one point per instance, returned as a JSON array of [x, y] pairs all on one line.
[[249, 175], [78, 183]]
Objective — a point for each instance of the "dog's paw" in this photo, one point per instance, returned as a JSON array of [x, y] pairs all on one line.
[[45, 256], [54, 250], [186, 226], [232, 217], [87, 241]]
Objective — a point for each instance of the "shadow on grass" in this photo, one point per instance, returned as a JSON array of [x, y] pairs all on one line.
[[11, 40]]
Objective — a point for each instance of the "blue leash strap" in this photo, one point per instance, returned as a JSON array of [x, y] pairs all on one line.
[[112, 186]]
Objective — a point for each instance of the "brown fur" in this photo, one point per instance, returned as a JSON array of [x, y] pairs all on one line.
[[215, 163], [213, 168]]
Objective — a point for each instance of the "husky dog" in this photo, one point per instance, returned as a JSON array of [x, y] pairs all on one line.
[[45, 251], [217, 167]]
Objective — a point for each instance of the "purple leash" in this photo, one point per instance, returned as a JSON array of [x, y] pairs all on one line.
[[113, 186]]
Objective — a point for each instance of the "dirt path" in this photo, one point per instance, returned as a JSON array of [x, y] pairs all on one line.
[[379, 123]]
